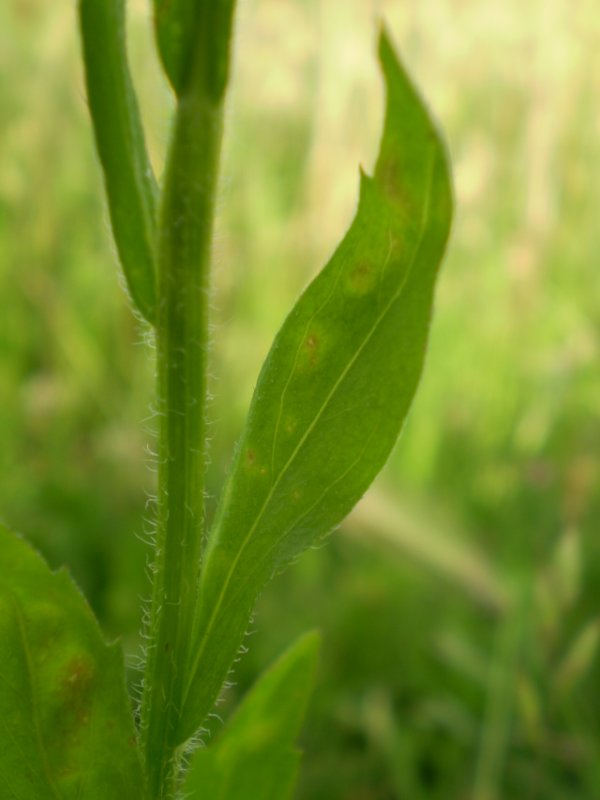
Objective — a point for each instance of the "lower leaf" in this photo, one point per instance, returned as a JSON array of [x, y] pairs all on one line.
[[255, 758], [66, 730]]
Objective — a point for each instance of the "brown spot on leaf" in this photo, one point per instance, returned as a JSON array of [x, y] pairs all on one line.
[[390, 178], [361, 278], [76, 685], [312, 344]]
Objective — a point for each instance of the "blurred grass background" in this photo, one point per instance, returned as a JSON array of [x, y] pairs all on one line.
[[460, 604]]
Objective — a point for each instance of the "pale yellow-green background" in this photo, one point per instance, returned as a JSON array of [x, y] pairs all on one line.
[[460, 605]]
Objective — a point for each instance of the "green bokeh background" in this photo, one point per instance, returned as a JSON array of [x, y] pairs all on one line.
[[460, 605]]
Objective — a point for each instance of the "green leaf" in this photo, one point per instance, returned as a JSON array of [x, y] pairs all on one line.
[[130, 183], [193, 39], [65, 724], [579, 659], [335, 388], [254, 758]]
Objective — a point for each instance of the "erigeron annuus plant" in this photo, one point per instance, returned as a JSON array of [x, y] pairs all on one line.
[[327, 409]]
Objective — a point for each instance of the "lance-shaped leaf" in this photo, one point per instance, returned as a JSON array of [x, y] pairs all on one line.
[[193, 39], [335, 388], [66, 730], [254, 757], [128, 176]]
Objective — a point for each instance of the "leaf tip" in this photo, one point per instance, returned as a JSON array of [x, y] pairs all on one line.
[[397, 78], [384, 39], [388, 57], [309, 644]]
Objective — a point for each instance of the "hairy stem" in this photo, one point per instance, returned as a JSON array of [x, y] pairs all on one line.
[[185, 232]]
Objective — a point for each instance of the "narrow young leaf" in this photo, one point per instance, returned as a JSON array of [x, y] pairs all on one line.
[[194, 35], [255, 758], [579, 659], [130, 183], [335, 388], [66, 728]]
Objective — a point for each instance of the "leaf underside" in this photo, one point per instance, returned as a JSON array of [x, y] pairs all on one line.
[[254, 758], [335, 388], [66, 730], [130, 183]]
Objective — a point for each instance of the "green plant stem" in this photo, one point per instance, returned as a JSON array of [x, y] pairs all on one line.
[[185, 232]]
